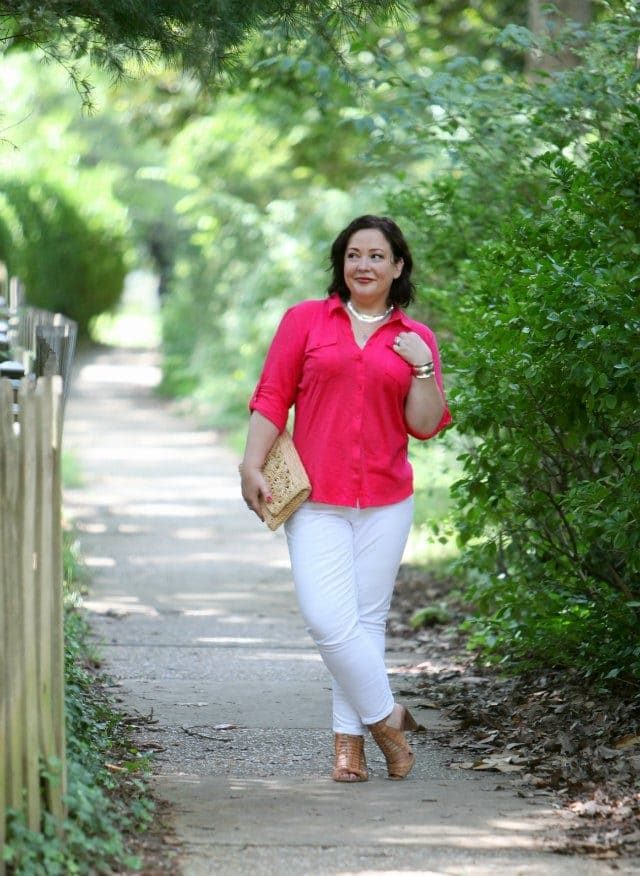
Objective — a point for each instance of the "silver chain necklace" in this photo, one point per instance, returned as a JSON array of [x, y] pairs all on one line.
[[364, 317]]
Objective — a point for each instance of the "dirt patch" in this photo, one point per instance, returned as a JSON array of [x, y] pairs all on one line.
[[576, 743], [157, 847]]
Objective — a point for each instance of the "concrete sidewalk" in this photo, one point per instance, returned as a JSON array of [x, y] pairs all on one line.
[[193, 602]]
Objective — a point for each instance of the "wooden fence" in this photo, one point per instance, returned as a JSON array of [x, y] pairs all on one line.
[[32, 713], [32, 646]]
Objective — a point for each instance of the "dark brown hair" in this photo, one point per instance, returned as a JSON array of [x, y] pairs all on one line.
[[402, 290]]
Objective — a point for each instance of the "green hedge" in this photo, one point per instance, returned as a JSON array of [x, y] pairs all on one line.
[[68, 263], [553, 390], [529, 244]]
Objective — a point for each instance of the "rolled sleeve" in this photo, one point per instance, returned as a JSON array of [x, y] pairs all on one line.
[[277, 387]]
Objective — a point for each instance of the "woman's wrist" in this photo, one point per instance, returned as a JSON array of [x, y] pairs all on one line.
[[249, 465]]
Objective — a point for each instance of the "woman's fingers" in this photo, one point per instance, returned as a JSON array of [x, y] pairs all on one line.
[[411, 347], [254, 490]]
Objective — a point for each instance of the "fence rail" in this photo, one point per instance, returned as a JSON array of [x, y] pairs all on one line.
[[32, 714]]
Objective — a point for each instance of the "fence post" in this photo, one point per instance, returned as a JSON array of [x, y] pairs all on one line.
[[13, 692], [27, 627], [50, 616], [7, 575]]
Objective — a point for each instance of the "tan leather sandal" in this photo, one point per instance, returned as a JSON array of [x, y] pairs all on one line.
[[350, 763], [391, 741]]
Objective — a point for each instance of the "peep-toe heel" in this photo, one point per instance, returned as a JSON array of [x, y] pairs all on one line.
[[350, 763]]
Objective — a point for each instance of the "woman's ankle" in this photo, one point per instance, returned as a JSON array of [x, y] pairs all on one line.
[[394, 718]]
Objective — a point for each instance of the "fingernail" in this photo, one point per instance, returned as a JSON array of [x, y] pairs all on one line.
[[269, 498]]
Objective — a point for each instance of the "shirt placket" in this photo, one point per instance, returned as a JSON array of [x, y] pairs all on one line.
[[357, 421]]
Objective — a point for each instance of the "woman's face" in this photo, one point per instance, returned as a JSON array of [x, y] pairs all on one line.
[[369, 268]]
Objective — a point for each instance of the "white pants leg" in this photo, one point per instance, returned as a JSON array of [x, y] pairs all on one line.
[[344, 563]]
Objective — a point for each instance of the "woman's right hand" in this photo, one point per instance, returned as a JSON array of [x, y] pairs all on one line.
[[254, 488], [262, 433]]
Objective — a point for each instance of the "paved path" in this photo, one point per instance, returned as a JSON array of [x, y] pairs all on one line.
[[193, 601]]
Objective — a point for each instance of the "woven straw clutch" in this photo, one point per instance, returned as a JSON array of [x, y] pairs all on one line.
[[287, 479]]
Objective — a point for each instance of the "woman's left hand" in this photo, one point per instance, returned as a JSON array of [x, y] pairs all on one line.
[[410, 347]]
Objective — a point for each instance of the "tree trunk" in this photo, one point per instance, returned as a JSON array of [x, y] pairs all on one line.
[[547, 23]]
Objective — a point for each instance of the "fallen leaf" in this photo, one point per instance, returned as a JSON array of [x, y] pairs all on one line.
[[501, 763], [502, 767], [627, 741], [567, 745]]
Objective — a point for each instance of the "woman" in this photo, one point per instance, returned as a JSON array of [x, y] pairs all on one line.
[[362, 376]]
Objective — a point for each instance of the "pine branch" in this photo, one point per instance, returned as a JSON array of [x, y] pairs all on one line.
[[202, 37]]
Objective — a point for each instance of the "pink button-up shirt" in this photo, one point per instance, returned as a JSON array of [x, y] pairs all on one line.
[[350, 427]]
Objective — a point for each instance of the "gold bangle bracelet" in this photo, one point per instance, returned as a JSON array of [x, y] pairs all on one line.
[[424, 370]]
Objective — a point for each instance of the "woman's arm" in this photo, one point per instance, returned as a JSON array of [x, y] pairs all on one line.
[[260, 437], [425, 404], [270, 403]]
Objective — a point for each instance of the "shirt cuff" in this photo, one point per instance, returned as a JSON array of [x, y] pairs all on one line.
[[272, 412]]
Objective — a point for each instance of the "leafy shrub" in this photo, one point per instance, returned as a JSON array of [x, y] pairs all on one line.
[[68, 263], [552, 388], [531, 242]]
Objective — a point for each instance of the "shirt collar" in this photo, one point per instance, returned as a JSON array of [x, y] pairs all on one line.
[[335, 303], [398, 315]]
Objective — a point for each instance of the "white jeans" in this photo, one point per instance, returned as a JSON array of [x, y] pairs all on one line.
[[344, 563]]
